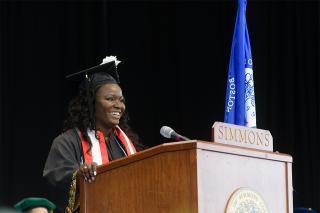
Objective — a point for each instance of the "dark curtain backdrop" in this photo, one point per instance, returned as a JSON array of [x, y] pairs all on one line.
[[174, 66]]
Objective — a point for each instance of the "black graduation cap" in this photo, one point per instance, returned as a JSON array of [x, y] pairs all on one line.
[[97, 75], [33, 202]]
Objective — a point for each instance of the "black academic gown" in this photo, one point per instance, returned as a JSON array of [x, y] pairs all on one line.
[[65, 158]]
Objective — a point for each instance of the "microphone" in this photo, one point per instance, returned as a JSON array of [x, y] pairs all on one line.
[[168, 132]]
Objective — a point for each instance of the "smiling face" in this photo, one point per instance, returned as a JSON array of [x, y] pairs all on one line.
[[109, 107]]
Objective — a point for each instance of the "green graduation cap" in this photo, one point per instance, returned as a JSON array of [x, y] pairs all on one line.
[[34, 202]]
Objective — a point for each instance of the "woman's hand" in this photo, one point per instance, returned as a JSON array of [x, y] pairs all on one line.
[[89, 171]]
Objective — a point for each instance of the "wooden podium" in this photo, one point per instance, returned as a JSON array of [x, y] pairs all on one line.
[[190, 176]]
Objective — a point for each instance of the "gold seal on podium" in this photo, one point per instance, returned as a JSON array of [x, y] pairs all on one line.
[[246, 200]]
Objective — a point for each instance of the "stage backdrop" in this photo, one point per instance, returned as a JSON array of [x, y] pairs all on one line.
[[174, 67]]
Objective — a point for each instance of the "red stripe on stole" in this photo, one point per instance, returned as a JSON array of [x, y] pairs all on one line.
[[124, 141], [86, 149], [103, 147]]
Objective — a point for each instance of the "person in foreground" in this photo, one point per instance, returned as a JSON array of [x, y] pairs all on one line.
[[96, 132], [35, 205]]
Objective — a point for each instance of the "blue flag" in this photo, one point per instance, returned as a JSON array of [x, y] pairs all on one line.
[[240, 102]]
